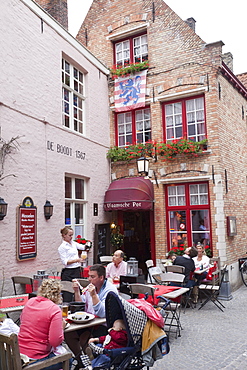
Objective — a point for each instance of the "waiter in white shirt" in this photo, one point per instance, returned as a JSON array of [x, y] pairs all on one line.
[[68, 252]]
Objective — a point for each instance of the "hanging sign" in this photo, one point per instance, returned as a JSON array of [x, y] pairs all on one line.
[[27, 230]]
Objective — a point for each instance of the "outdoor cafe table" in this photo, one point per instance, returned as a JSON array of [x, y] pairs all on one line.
[[13, 303], [165, 291], [95, 322], [199, 272]]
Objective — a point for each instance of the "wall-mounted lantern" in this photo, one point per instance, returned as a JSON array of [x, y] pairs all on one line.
[[3, 209], [142, 165], [48, 210]]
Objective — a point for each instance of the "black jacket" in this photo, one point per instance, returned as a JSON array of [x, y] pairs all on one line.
[[188, 263]]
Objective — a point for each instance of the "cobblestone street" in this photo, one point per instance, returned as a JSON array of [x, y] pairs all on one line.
[[210, 339]]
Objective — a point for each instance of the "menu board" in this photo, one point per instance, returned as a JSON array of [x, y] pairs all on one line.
[[27, 230], [101, 241]]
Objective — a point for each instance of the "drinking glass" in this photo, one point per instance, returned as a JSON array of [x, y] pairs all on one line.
[[65, 309]]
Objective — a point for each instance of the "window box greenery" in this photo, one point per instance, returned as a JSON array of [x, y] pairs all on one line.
[[128, 69], [165, 151]]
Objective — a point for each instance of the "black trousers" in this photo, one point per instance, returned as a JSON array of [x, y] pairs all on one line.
[[68, 275]]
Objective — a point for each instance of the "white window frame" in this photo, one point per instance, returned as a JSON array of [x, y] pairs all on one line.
[[134, 130], [73, 97], [141, 43], [182, 121], [80, 227], [132, 49]]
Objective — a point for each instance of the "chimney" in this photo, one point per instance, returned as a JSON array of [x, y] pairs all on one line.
[[58, 9], [191, 22], [228, 60]]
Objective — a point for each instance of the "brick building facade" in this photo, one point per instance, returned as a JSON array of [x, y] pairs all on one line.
[[58, 9], [191, 92]]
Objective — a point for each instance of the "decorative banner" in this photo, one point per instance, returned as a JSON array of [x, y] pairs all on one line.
[[130, 92], [27, 230]]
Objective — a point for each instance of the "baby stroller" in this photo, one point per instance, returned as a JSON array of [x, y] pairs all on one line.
[[130, 357]]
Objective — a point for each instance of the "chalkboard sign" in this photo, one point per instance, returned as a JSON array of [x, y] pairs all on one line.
[[101, 241]]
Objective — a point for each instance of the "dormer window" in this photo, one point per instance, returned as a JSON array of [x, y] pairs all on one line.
[[131, 50]]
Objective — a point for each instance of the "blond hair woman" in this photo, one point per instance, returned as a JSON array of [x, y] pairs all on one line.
[[42, 324]]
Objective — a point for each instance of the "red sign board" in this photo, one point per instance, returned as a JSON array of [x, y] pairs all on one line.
[[27, 230]]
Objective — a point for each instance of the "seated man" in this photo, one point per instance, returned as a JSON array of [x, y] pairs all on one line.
[[94, 298], [117, 267], [187, 261]]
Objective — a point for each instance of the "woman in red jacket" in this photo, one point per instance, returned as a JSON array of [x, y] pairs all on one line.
[[42, 324]]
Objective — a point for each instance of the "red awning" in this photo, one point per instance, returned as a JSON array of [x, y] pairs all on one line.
[[129, 194]]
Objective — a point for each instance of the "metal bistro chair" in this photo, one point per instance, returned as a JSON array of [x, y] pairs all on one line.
[[104, 260], [83, 282], [212, 291], [164, 278], [152, 270], [67, 291], [22, 281], [175, 268], [170, 310], [147, 290]]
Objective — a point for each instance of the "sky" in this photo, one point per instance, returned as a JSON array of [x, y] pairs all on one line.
[[216, 20]]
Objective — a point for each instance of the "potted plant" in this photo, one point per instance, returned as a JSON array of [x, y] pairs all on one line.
[[87, 243], [116, 239]]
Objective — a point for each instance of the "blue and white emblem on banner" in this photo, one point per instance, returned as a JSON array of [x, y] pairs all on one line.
[[130, 92]]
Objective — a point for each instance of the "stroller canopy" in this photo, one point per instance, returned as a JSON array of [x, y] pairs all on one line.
[[134, 319]]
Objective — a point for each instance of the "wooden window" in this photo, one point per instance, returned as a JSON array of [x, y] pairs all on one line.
[[73, 97], [131, 50], [75, 203], [185, 118], [188, 214], [133, 127]]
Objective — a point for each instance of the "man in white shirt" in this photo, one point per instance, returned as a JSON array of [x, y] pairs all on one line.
[[117, 267]]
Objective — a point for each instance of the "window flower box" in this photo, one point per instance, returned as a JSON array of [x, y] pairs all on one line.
[[152, 149], [128, 69]]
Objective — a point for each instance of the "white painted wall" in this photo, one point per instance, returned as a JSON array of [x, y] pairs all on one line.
[[30, 106]]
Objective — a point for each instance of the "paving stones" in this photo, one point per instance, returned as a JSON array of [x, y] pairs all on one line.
[[210, 339]]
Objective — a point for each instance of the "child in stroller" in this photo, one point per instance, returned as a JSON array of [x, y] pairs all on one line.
[[133, 321], [117, 338]]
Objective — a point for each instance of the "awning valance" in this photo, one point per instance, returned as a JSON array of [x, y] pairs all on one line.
[[129, 194]]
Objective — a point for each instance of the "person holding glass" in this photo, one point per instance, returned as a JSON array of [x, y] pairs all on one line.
[[68, 252], [42, 326]]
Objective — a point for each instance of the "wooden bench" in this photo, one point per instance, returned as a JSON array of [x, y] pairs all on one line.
[[10, 358]]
